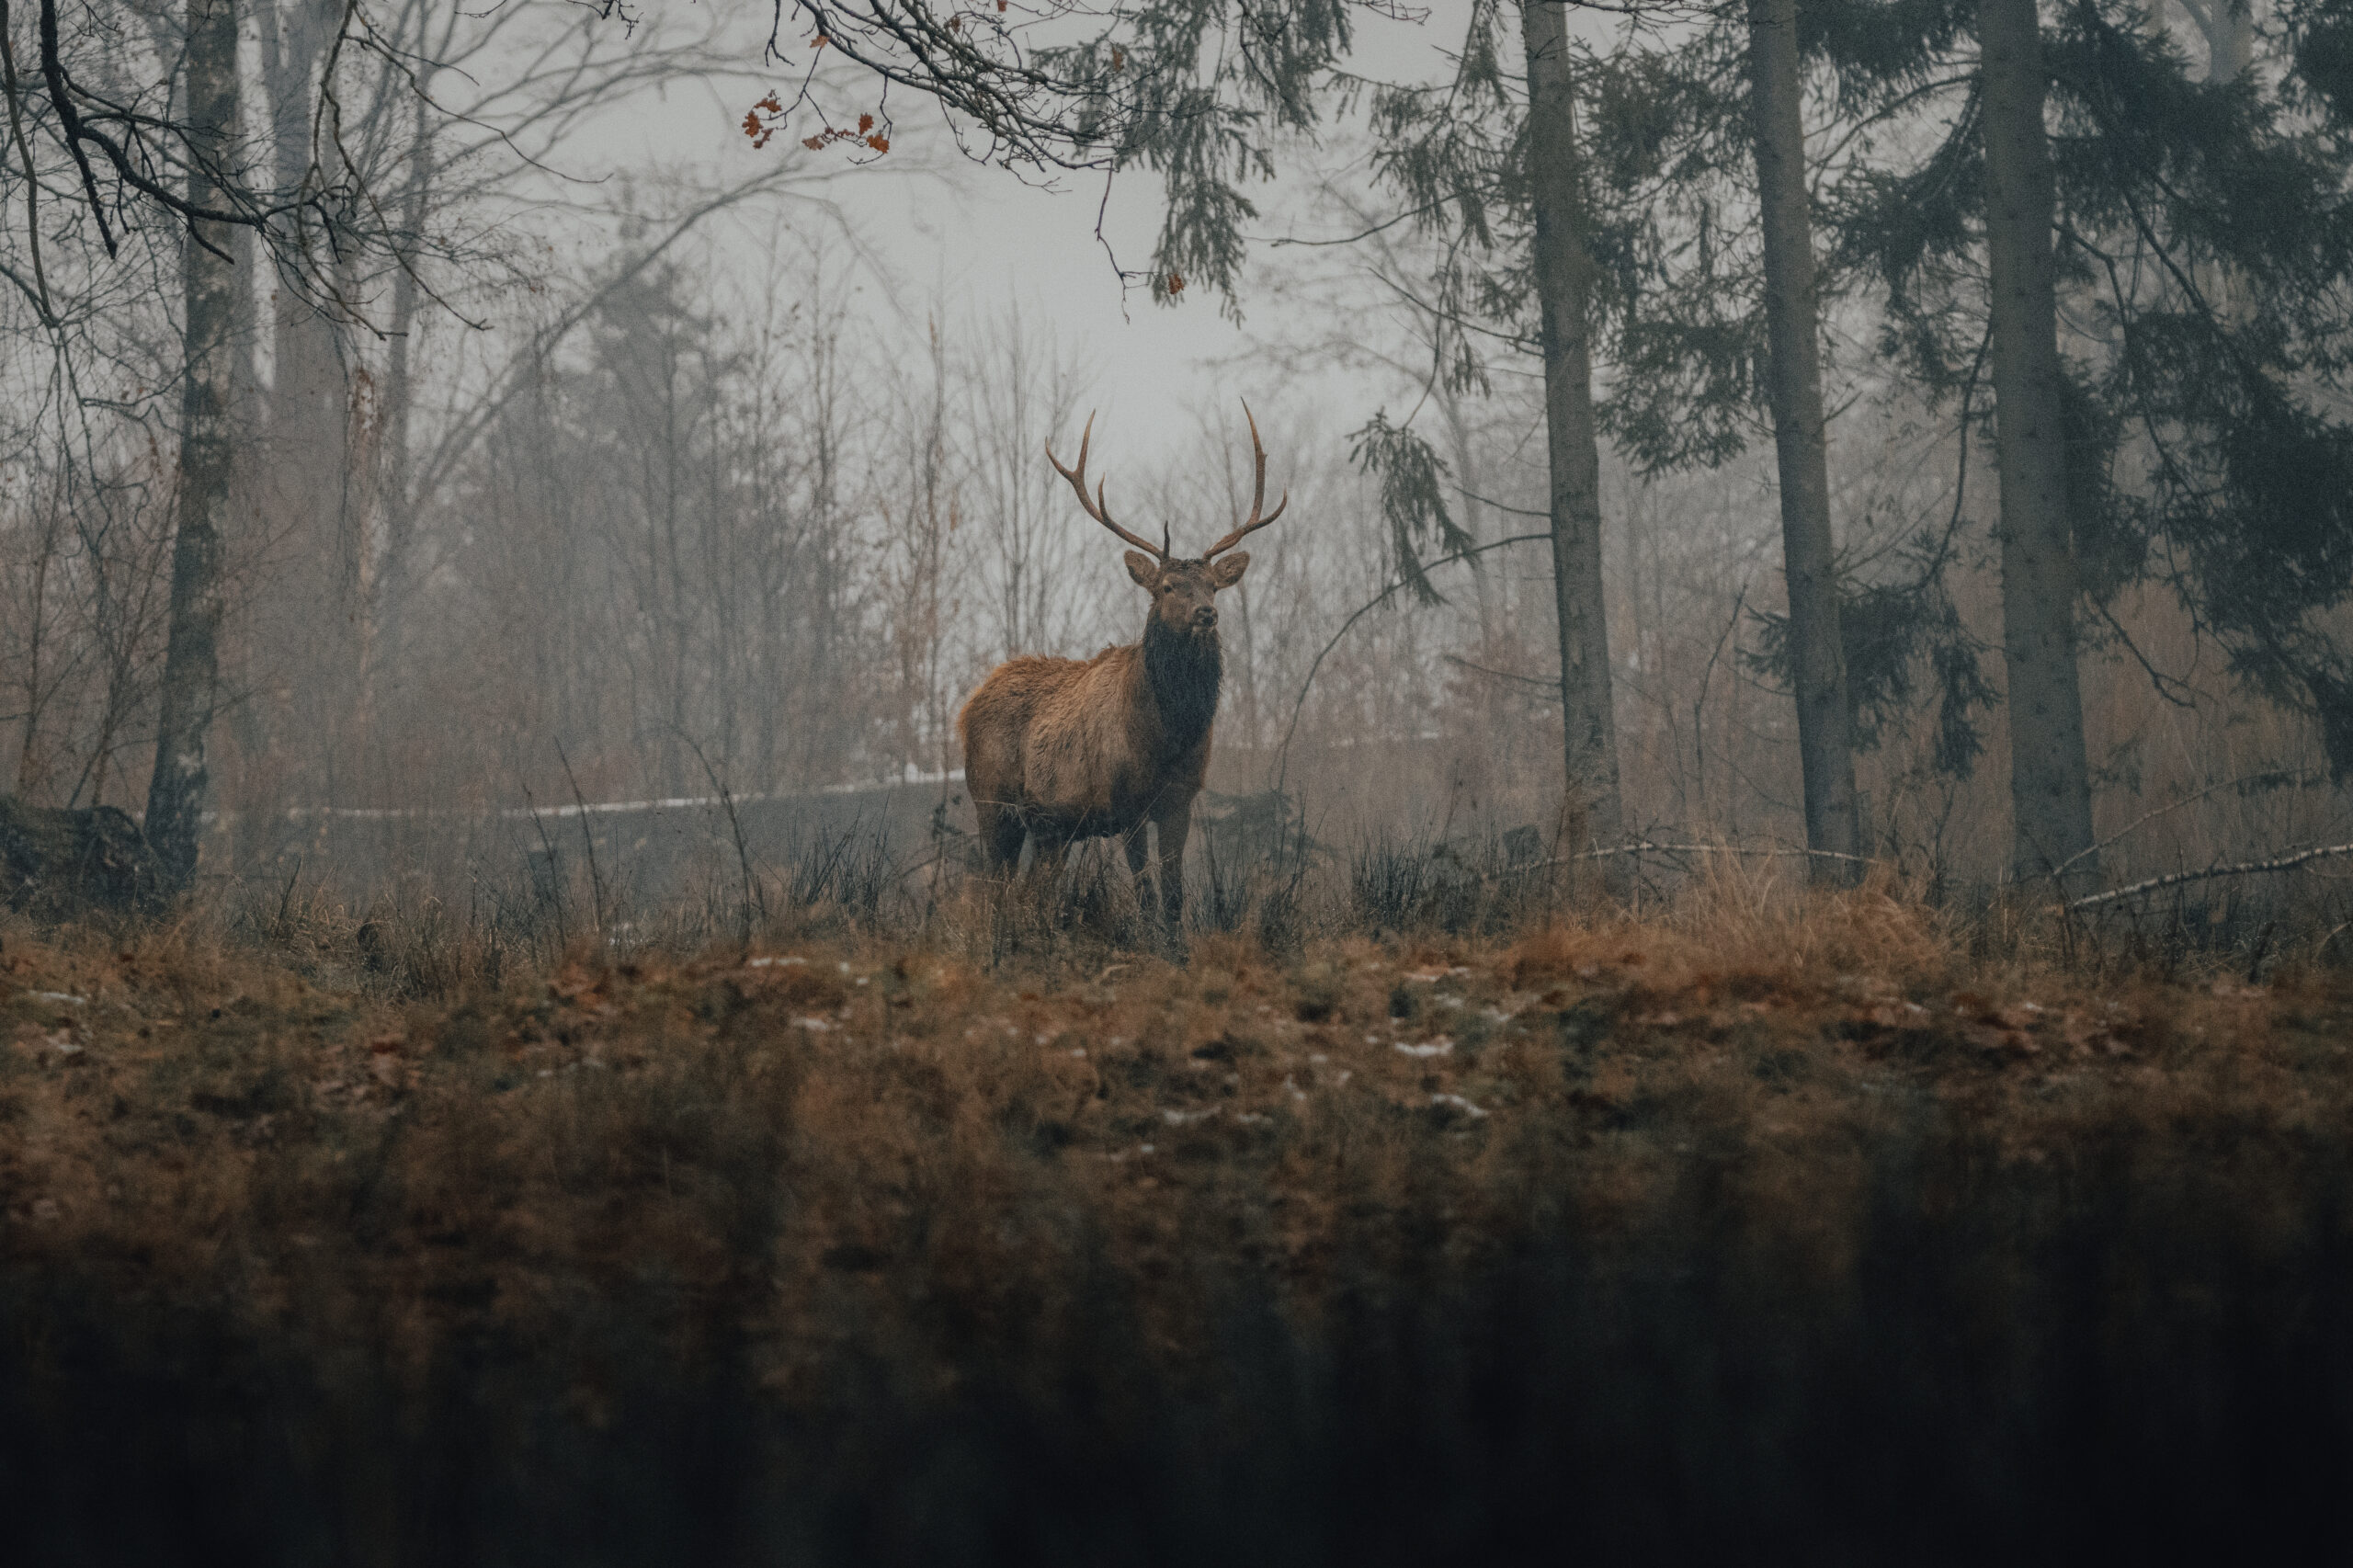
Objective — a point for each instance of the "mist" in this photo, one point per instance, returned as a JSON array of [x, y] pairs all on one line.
[[1751, 894]]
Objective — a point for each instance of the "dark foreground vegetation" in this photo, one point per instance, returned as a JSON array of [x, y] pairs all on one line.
[[1749, 1229]]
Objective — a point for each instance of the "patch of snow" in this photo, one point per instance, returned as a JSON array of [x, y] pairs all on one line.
[[1441, 1046], [59, 996], [764, 963], [1459, 1103]]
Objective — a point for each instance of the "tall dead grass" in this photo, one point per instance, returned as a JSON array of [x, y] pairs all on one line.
[[1647, 1235]]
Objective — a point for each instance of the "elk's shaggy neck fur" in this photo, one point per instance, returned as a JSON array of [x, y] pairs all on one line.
[[1183, 670]]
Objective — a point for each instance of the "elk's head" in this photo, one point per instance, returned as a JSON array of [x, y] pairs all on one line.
[[1184, 593]]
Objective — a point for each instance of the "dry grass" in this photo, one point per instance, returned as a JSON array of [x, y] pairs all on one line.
[[870, 1177]]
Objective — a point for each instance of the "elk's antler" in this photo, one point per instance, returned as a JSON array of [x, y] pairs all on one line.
[[1258, 497], [1095, 508]]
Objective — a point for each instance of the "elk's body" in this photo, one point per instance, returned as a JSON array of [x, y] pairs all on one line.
[[1062, 749]]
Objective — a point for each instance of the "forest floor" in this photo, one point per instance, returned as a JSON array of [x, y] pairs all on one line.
[[1731, 1214]]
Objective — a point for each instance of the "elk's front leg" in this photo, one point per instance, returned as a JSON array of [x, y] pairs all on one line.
[[1048, 850], [1002, 832], [1132, 844], [1173, 824]]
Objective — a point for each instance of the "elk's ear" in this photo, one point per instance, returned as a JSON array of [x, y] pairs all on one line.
[[1227, 570], [1143, 568]]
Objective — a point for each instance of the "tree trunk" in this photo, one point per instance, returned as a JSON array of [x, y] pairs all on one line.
[[1563, 268], [2050, 782], [309, 634], [2228, 27], [176, 797], [1817, 659], [394, 489]]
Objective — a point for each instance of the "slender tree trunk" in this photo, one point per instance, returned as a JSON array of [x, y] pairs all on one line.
[[1817, 659], [310, 636], [395, 493], [176, 797], [2049, 781], [1562, 271], [2229, 29]]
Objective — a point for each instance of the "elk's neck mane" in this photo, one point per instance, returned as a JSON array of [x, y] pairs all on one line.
[[1184, 674]]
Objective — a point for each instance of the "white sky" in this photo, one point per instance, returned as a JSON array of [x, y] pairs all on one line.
[[976, 237]]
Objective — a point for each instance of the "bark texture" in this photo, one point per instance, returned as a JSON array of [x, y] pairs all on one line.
[[1817, 658], [1563, 269], [2049, 781], [176, 795]]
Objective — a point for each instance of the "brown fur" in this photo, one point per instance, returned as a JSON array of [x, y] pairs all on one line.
[[1063, 749]]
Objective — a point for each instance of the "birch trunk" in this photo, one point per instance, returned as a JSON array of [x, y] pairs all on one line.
[[2050, 780], [176, 796], [1563, 270], [1817, 658]]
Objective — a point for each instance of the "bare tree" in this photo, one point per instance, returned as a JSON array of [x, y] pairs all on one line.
[[1021, 393], [176, 797]]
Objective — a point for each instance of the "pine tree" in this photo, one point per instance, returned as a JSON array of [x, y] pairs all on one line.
[[1793, 376], [2194, 229], [1560, 262], [2050, 792], [2179, 436]]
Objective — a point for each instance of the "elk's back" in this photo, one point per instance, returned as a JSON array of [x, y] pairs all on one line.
[[1058, 737]]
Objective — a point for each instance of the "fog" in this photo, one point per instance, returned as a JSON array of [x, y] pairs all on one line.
[[655, 466]]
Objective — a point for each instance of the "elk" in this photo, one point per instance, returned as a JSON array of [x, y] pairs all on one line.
[[1062, 749]]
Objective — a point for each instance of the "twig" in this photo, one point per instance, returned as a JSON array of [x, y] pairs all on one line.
[[596, 883], [555, 890], [2274, 778], [1539, 682], [286, 899], [1283, 770], [1646, 847], [743, 855], [2244, 869]]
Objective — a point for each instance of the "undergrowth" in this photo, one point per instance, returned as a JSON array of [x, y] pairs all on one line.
[[1780, 1223]]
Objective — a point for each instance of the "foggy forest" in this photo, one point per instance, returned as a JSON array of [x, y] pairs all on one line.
[[669, 890]]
